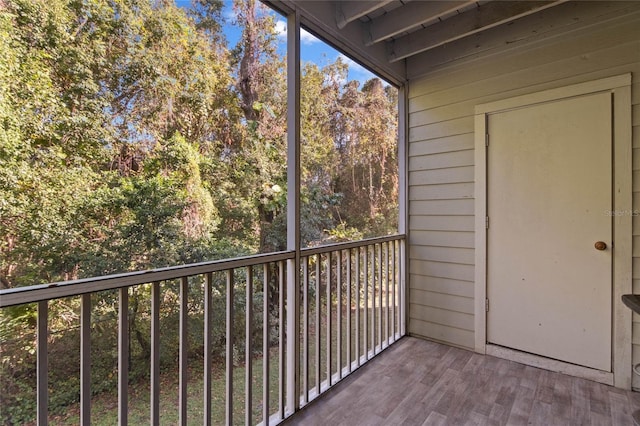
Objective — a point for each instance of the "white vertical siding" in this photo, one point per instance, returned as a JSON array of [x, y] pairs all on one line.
[[441, 137]]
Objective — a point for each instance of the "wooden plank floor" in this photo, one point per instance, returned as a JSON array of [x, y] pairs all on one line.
[[416, 382]]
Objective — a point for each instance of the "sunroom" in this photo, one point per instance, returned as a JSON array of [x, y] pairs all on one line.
[[491, 95]]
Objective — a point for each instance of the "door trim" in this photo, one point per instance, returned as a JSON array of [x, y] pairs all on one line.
[[620, 88]]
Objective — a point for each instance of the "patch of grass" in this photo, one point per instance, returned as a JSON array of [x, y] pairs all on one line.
[[104, 407]]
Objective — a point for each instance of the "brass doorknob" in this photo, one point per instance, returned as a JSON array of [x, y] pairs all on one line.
[[600, 245]]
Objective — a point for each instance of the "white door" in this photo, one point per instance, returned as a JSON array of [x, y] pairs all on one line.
[[549, 200]]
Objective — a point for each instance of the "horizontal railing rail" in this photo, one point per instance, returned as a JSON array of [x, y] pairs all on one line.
[[325, 248], [350, 305], [40, 292]]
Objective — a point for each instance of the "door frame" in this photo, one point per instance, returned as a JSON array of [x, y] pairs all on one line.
[[620, 89]]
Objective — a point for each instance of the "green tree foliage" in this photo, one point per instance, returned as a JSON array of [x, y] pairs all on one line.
[[261, 88], [349, 154], [127, 125], [114, 115], [133, 137], [367, 144]]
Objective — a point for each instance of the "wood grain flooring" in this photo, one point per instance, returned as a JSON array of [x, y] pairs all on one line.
[[417, 382]]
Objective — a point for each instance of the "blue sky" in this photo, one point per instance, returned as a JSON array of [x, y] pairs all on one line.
[[312, 49], [315, 50]]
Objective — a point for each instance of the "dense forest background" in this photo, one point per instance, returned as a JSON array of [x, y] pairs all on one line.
[[133, 136]]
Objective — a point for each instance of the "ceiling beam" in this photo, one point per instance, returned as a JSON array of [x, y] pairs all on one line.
[[482, 18], [523, 40], [349, 11], [409, 16]]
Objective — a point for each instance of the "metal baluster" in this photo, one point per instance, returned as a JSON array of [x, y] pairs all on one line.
[[305, 314], [401, 285], [123, 357], [184, 330], [357, 288], [265, 345], [374, 342], [339, 314], [229, 347], [393, 293], [366, 302], [155, 354], [379, 292], [386, 292], [248, 385], [349, 253], [328, 335], [318, 326], [43, 363], [208, 313], [281, 332], [85, 359]]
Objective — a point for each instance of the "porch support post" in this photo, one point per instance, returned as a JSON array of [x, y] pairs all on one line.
[[403, 216], [293, 212]]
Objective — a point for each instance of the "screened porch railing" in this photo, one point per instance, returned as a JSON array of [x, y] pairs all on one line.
[[350, 306]]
